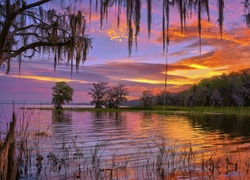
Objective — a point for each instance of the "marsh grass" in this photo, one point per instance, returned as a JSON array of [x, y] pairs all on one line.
[[72, 159], [75, 159], [198, 110]]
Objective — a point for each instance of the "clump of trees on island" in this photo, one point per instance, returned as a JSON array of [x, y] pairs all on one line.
[[231, 89], [103, 94]]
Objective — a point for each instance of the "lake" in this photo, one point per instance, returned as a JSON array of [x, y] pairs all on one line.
[[131, 145]]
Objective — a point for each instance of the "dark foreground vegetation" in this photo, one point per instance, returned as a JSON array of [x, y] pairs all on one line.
[[231, 89], [197, 110], [20, 159]]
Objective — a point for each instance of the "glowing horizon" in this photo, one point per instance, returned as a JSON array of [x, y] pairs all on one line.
[[109, 61]]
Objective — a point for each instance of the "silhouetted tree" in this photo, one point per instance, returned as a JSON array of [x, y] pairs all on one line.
[[26, 28], [170, 98], [225, 90], [62, 93], [116, 95], [109, 96], [147, 99], [98, 94]]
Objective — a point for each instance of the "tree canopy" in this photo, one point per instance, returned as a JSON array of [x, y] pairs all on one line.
[[186, 8], [26, 27], [62, 93], [231, 89], [103, 94], [147, 98], [98, 93]]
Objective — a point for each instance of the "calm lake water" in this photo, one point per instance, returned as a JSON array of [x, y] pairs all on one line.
[[133, 145]]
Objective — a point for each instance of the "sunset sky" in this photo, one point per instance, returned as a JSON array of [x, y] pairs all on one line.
[[109, 61]]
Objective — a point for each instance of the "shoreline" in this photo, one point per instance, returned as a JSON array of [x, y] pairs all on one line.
[[179, 110]]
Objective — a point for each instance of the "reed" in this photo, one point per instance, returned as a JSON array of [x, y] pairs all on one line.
[[8, 164], [198, 110], [76, 159]]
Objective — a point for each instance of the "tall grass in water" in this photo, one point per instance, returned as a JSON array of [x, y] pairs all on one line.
[[8, 164], [18, 148], [22, 157]]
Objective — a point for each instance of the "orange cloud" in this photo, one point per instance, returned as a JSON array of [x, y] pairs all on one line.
[[218, 55], [46, 78]]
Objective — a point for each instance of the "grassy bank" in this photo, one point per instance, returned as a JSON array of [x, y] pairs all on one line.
[[205, 110], [76, 159], [170, 110]]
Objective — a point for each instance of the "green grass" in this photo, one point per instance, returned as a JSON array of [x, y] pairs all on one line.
[[205, 110], [169, 110]]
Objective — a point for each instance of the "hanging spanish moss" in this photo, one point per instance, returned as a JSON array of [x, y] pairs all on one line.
[[119, 12], [129, 25], [137, 19], [149, 16], [101, 12], [44, 31], [181, 12], [133, 15], [55, 34], [165, 24], [247, 12], [206, 5], [199, 23], [221, 17]]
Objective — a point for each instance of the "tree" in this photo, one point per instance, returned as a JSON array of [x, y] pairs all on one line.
[[186, 9], [147, 99], [98, 93], [62, 93], [109, 96], [26, 28], [116, 95]]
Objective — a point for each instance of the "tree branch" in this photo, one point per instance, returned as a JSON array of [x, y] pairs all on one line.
[[35, 45], [7, 2], [23, 8]]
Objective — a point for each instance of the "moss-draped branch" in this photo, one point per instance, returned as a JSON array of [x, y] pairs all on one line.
[[49, 31], [28, 28], [132, 9]]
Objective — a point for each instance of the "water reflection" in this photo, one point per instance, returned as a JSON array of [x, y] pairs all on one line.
[[136, 136], [230, 125], [61, 116], [147, 115], [108, 120], [62, 124]]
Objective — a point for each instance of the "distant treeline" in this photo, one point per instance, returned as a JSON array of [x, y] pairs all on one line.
[[231, 89]]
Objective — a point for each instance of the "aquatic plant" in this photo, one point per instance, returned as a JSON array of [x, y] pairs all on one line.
[[79, 159]]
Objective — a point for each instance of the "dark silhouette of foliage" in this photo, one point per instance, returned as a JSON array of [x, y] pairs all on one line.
[[109, 96], [147, 99], [231, 89], [98, 93], [186, 8], [26, 28], [116, 95], [51, 31], [62, 93], [8, 165]]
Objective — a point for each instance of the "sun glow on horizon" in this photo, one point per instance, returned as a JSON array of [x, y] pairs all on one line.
[[162, 81], [198, 66], [45, 78]]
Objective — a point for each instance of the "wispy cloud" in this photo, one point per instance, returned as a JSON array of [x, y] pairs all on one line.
[[145, 68]]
